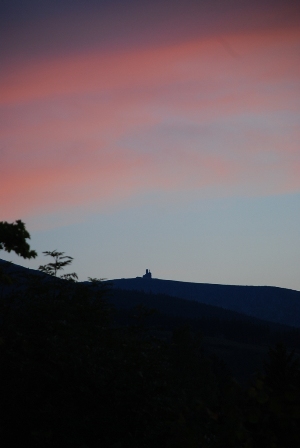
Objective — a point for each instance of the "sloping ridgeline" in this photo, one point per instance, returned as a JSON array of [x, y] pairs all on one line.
[[269, 303]]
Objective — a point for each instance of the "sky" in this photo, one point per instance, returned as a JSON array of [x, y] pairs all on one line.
[[154, 134]]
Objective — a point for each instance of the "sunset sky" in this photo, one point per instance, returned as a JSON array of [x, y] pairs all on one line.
[[154, 134]]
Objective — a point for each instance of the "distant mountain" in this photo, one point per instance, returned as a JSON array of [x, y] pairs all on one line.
[[172, 312], [268, 303]]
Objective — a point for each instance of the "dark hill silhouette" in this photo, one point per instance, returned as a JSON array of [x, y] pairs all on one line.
[[171, 312], [228, 329], [268, 303]]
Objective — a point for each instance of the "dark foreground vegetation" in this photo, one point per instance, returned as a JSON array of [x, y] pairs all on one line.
[[75, 373]]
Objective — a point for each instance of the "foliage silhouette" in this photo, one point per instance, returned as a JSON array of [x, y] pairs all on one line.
[[13, 238], [59, 263]]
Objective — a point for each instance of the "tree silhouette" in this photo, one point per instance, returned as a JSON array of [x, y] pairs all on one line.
[[59, 263], [13, 238]]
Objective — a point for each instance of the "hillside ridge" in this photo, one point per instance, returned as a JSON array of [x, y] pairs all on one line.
[[269, 303]]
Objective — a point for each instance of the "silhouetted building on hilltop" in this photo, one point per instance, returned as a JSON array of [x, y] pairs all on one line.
[[148, 274]]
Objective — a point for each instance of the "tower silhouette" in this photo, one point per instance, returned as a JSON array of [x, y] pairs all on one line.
[[148, 274]]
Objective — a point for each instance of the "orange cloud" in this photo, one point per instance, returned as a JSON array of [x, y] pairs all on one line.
[[202, 115]]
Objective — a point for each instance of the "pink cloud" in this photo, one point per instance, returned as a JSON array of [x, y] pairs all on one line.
[[86, 129], [89, 73]]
